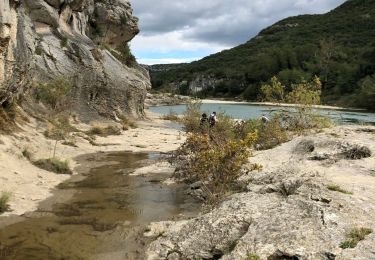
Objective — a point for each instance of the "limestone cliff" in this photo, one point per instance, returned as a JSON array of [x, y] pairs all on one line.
[[44, 39]]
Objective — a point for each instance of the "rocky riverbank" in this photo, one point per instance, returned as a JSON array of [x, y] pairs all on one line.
[[165, 99], [314, 199]]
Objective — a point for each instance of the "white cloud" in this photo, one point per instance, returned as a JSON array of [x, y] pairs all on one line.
[[211, 25], [166, 61], [172, 41]]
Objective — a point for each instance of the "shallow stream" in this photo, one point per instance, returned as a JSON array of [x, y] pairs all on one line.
[[98, 214]]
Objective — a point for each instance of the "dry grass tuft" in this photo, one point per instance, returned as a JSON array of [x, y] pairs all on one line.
[[54, 165], [104, 131], [335, 187], [354, 236], [4, 200]]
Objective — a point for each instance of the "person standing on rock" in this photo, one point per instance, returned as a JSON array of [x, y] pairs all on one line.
[[213, 119], [204, 119]]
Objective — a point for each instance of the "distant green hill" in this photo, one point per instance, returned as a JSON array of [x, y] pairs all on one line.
[[339, 47]]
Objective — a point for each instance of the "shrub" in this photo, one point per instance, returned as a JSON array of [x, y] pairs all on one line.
[[358, 152], [54, 165], [54, 93], [354, 236], [335, 187], [6, 122], [191, 117], [127, 123], [104, 131], [27, 154], [271, 134], [123, 53], [216, 164], [4, 200], [59, 127]]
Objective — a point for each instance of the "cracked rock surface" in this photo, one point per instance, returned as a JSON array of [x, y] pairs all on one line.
[[287, 210], [44, 39]]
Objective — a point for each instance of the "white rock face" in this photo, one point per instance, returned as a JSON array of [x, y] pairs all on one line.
[[44, 39]]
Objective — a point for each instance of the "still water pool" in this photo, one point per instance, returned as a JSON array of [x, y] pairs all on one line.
[[99, 214]]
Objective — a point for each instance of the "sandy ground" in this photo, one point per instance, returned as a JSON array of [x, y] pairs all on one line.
[[30, 185]]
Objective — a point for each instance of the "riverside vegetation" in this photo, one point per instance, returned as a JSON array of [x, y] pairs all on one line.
[[215, 157]]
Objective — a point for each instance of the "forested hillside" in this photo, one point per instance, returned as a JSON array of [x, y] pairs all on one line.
[[339, 47]]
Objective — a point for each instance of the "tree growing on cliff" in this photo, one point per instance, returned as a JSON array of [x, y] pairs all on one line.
[[54, 94]]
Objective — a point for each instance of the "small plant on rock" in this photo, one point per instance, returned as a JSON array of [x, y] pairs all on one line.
[[252, 256], [335, 187], [26, 153], [354, 236]]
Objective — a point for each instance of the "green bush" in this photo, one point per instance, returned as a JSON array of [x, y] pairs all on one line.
[[270, 134], [54, 165], [4, 200]]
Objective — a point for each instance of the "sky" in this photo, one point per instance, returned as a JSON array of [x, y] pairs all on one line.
[[174, 31]]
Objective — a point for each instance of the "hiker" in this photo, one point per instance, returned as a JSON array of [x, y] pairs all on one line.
[[265, 119], [213, 119], [204, 119]]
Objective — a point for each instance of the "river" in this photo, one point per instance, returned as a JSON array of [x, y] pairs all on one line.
[[249, 111]]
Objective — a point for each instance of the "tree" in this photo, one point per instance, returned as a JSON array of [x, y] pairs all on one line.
[[306, 93], [366, 96], [273, 92]]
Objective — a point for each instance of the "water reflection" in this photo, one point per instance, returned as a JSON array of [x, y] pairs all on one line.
[[105, 217]]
